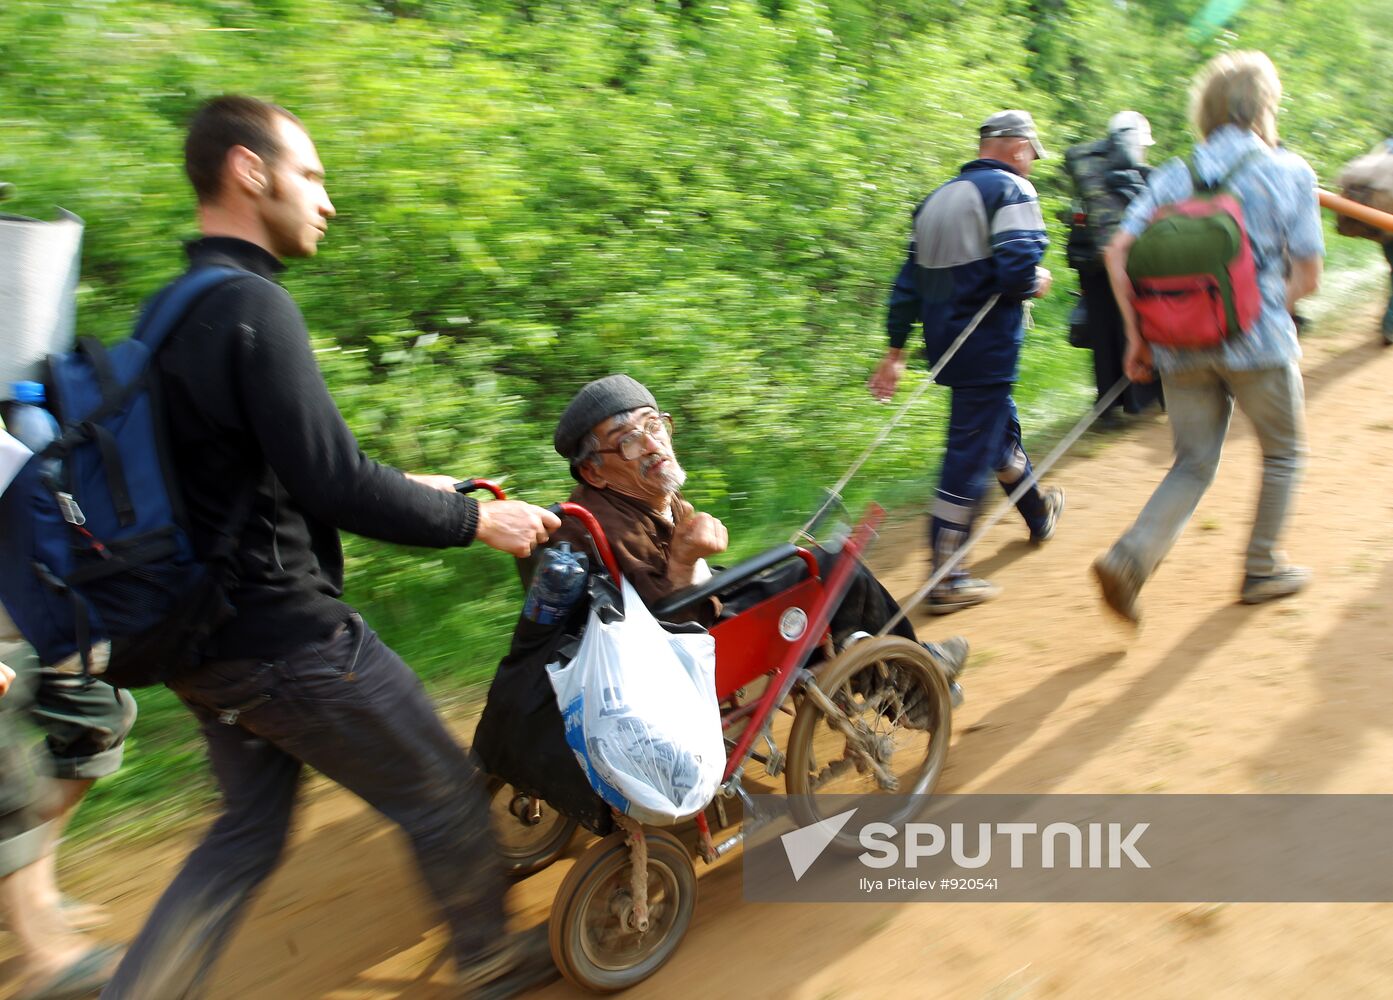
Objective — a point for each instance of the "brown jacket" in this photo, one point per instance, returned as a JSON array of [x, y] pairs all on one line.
[[641, 541]]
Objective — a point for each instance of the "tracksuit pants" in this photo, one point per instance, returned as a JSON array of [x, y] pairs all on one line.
[[984, 439]]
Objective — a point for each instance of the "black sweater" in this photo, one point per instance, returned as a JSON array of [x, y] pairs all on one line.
[[247, 409]]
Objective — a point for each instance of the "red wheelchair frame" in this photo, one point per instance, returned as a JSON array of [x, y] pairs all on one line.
[[784, 630]]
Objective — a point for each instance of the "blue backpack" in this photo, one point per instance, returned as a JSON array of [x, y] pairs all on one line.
[[93, 541]]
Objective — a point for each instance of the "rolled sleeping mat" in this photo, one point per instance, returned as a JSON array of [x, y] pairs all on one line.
[[39, 267]]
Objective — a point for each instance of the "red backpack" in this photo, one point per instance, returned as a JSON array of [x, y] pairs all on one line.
[[1194, 278]]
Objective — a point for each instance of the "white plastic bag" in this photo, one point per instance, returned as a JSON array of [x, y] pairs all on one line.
[[13, 457], [641, 713]]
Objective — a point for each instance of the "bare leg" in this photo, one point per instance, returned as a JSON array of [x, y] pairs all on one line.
[[47, 946], [81, 916]]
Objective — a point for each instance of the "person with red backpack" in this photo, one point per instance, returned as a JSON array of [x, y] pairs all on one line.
[[1199, 267]]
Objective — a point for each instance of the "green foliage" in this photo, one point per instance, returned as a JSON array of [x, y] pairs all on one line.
[[532, 193]]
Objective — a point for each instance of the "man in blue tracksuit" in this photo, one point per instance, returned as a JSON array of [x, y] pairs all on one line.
[[979, 235]]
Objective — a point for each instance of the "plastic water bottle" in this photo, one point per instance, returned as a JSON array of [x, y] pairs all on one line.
[[30, 423], [559, 582]]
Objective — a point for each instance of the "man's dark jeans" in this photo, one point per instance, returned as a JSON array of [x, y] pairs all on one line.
[[351, 709]]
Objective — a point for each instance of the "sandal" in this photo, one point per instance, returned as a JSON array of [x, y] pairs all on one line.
[[80, 916], [81, 979]]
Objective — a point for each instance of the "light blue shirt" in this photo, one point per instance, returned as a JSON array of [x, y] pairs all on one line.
[[1282, 216]]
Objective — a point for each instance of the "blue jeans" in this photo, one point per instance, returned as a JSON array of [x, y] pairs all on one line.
[[1200, 403]]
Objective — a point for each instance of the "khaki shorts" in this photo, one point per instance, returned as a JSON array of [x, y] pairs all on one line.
[[84, 724], [21, 787]]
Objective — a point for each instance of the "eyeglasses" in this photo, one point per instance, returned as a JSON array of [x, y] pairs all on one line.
[[631, 445]]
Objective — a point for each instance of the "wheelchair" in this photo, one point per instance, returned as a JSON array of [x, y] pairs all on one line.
[[872, 717]]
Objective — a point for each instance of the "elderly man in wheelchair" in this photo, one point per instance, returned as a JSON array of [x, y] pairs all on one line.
[[620, 450]]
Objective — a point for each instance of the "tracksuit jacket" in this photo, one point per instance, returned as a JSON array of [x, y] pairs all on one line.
[[979, 234]]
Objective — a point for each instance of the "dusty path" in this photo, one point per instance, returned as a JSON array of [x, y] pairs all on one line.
[[1210, 697]]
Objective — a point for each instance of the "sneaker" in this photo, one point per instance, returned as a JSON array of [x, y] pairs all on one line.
[[1121, 581], [1259, 589], [1053, 496], [950, 654], [523, 963], [959, 593]]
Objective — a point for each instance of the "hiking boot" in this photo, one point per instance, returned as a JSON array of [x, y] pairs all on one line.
[[950, 654], [1260, 589], [1121, 580], [957, 594], [522, 963], [1053, 497]]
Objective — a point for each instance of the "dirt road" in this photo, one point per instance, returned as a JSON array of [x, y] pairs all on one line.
[[1211, 696]]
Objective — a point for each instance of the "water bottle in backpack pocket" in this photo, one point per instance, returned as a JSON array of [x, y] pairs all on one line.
[[30, 422], [1194, 275]]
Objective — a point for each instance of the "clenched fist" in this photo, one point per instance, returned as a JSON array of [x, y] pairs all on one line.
[[7, 677], [697, 537], [1137, 362]]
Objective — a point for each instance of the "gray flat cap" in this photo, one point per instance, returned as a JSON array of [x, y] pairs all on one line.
[[1013, 123], [602, 398]]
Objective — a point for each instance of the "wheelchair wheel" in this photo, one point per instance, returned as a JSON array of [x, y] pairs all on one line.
[[530, 833], [889, 737], [593, 940]]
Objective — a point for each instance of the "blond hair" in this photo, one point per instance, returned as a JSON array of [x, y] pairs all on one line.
[[1237, 88]]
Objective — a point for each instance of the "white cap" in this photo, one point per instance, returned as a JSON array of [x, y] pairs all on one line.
[[1132, 121]]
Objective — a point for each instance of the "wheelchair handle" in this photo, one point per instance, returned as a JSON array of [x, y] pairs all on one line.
[[566, 509], [470, 485], [597, 533]]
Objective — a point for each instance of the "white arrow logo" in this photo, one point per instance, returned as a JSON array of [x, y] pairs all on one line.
[[806, 844]]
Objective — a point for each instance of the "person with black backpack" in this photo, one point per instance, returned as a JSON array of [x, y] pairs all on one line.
[[1199, 267], [1108, 174], [295, 677]]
